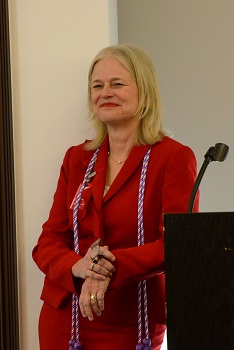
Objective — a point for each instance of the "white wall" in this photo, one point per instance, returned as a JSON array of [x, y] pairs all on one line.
[[192, 46], [52, 45]]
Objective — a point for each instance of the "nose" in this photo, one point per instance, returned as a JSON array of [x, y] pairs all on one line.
[[106, 91]]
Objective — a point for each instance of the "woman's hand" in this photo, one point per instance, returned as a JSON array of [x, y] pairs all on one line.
[[85, 267], [92, 297]]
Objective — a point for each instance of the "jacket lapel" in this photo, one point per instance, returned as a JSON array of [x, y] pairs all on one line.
[[99, 180]]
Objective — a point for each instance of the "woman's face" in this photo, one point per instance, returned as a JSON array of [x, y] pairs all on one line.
[[114, 93]]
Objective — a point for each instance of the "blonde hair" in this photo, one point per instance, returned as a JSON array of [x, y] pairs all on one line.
[[141, 68]]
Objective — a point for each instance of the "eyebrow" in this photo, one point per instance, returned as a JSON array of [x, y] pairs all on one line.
[[112, 79]]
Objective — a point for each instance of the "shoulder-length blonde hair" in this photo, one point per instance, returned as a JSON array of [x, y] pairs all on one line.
[[141, 68]]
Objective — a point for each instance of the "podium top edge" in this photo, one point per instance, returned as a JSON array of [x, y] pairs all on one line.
[[197, 215], [201, 213]]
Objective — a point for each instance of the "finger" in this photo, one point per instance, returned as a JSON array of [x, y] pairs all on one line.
[[93, 272], [99, 273], [100, 299], [82, 304], [105, 264], [95, 304], [104, 251], [82, 309], [85, 307]]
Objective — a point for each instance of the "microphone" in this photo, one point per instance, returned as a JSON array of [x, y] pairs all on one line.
[[218, 153]]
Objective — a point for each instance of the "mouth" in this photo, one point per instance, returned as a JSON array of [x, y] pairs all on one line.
[[109, 105]]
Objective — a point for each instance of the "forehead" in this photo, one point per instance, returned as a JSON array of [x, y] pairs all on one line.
[[110, 67]]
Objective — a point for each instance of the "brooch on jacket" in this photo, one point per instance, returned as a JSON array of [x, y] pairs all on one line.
[[88, 185]]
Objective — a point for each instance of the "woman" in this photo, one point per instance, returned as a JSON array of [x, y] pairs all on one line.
[[102, 245]]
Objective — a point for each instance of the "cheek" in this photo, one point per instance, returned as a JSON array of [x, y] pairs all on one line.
[[133, 102]]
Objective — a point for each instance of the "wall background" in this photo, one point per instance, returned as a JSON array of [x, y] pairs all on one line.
[[52, 45], [192, 46]]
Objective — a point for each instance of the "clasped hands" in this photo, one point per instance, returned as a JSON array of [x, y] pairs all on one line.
[[96, 269]]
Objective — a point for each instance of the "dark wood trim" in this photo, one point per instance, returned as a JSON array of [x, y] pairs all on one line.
[[9, 320]]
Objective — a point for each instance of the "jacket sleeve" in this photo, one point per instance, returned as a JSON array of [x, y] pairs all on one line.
[[146, 261], [53, 253]]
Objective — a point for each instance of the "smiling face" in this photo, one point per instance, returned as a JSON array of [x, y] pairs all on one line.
[[114, 93]]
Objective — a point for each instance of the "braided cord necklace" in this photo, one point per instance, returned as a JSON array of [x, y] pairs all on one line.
[[74, 343], [145, 344]]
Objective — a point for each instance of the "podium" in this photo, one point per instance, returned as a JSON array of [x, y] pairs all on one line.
[[199, 270]]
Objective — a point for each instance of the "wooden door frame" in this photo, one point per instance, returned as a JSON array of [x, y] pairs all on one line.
[[9, 314]]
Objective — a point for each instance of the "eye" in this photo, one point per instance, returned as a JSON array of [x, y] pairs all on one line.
[[118, 84], [97, 86]]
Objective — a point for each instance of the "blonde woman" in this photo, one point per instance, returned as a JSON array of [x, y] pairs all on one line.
[[101, 249]]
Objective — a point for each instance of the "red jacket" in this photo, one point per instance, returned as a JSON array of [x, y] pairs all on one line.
[[170, 178]]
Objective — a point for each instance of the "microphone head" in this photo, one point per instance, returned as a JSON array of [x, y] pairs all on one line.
[[221, 152], [218, 152]]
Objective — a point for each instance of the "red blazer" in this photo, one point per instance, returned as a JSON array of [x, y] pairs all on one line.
[[170, 178]]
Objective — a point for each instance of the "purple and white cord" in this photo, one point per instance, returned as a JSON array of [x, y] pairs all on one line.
[[74, 343], [144, 344]]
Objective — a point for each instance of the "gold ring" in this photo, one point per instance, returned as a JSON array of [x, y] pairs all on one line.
[[92, 266], [93, 297]]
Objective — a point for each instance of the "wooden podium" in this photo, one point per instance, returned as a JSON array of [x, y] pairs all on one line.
[[199, 269]]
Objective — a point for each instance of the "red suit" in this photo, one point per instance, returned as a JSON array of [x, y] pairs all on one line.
[[170, 177]]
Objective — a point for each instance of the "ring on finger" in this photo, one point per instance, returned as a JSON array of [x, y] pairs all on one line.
[[95, 260], [92, 266], [93, 297]]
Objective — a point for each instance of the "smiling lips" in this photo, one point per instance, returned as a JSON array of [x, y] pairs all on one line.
[[109, 105]]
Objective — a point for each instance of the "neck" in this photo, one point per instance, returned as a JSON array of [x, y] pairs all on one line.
[[121, 142], [119, 148]]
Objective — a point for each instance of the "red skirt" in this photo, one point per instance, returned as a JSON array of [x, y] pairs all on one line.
[[55, 332]]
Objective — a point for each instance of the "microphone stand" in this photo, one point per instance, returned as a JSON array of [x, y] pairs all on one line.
[[218, 153]]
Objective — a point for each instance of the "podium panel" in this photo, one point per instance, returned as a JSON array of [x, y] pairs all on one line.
[[199, 270]]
